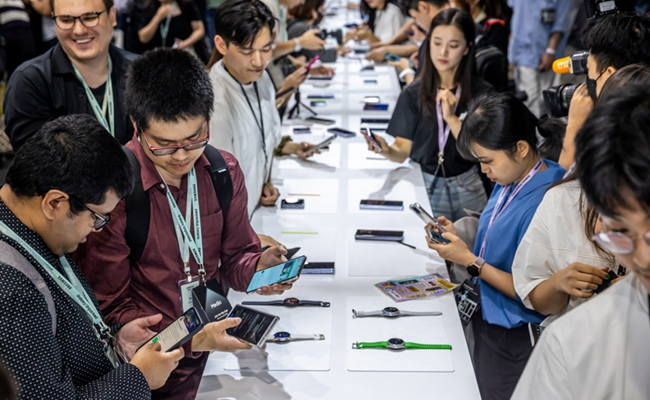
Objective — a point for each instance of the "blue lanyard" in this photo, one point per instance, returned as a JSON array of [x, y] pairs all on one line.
[[73, 288], [107, 104], [164, 27], [187, 243]]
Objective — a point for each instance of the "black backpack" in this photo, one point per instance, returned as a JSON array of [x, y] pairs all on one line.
[[491, 63], [138, 211]]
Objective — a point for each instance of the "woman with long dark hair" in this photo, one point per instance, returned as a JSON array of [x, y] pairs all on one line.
[[501, 134], [382, 20], [426, 121]]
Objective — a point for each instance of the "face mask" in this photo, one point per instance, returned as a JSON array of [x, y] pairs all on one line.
[[591, 86]]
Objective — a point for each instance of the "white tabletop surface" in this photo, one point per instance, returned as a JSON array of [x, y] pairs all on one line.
[[325, 232]]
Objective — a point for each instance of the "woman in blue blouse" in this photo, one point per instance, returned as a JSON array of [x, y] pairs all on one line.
[[500, 133]]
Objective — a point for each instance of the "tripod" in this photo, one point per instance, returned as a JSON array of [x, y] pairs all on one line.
[[296, 108]]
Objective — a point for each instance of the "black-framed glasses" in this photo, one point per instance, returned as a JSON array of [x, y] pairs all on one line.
[[100, 220], [89, 20], [167, 150], [618, 243]]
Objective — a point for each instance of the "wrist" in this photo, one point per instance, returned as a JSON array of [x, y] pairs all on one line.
[[549, 50], [468, 258]]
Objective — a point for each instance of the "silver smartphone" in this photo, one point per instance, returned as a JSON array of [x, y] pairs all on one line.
[[426, 217]]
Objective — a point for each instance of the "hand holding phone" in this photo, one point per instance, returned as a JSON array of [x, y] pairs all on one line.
[[280, 274], [436, 237], [426, 217], [320, 145], [309, 65], [178, 332], [156, 365], [255, 325]]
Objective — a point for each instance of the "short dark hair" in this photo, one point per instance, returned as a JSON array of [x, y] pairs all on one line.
[[435, 3], [304, 11], [623, 77], [612, 151], [618, 40], [73, 154], [107, 3], [498, 121], [240, 21], [167, 85]]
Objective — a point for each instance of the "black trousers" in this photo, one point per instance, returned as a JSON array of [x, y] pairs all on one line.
[[500, 356]]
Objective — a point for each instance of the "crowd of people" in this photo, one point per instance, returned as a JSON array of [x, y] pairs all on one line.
[[561, 246]]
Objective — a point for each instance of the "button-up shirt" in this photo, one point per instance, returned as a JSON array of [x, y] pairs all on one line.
[[529, 38], [150, 286]]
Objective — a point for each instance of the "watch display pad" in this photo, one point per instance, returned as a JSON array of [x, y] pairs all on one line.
[[427, 330], [299, 355], [375, 189]]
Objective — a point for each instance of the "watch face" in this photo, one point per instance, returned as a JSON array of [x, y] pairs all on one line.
[[472, 270], [282, 335], [390, 312], [291, 301], [396, 342]]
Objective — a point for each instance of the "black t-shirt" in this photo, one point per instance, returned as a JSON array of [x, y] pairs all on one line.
[[180, 26], [408, 121]]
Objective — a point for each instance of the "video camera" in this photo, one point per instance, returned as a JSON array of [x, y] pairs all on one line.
[[598, 8]]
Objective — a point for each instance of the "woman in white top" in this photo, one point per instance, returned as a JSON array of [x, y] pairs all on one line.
[[383, 18]]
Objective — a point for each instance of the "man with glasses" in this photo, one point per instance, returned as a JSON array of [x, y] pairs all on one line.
[[189, 241], [83, 74], [601, 350], [54, 341]]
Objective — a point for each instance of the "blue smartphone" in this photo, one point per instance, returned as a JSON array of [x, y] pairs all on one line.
[[391, 57], [375, 107], [286, 272]]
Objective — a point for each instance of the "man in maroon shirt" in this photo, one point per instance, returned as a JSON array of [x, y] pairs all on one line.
[[169, 99]]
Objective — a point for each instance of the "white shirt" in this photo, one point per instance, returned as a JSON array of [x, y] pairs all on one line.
[[597, 351], [388, 22], [233, 127], [554, 240]]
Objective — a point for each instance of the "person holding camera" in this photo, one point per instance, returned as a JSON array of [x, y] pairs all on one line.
[[613, 41], [306, 16]]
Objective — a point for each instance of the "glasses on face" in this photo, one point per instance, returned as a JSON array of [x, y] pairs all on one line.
[[167, 150], [100, 221], [89, 20], [619, 243]]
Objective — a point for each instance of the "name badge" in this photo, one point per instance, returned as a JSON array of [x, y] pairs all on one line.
[[211, 301], [548, 16], [185, 287], [468, 299]]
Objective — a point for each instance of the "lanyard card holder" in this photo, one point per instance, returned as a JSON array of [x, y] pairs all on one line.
[[468, 298], [548, 16], [211, 301]]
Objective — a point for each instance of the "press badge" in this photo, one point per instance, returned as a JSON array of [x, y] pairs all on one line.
[[185, 288], [468, 299], [548, 16]]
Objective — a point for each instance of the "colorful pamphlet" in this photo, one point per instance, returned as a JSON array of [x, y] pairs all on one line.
[[416, 287]]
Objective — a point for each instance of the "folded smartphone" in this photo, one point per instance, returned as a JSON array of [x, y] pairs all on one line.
[[287, 272], [369, 234], [321, 268], [375, 107], [341, 132], [393, 205]]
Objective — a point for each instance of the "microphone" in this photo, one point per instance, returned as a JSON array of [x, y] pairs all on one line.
[[575, 64], [562, 65]]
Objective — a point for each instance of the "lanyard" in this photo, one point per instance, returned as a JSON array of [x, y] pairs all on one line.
[[498, 210], [108, 103], [164, 27], [73, 288], [480, 17], [181, 226], [443, 131], [260, 123]]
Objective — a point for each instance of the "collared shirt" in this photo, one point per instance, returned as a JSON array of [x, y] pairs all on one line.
[[69, 364], [46, 87], [599, 351], [554, 240], [502, 242], [529, 38], [235, 129], [150, 286]]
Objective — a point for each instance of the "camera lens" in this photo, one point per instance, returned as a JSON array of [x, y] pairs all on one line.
[[557, 99]]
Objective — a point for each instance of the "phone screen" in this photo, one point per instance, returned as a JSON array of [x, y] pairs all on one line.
[[174, 334], [254, 325], [278, 273], [375, 107]]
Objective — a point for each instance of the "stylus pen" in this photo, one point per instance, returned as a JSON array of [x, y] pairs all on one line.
[[407, 245]]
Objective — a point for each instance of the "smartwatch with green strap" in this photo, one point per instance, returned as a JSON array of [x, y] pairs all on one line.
[[399, 344]]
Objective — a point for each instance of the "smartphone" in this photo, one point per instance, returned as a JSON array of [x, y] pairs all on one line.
[[178, 332], [435, 237], [426, 217], [350, 26], [535, 331], [375, 107], [375, 120], [318, 268], [342, 132], [393, 205], [391, 57], [606, 282], [318, 103], [322, 144], [370, 81], [320, 96], [371, 99], [309, 64], [292, 203], [320, 78], [301, 130], [286, 272], [255, 325], [372, 137], [369, 234], [321, 121]]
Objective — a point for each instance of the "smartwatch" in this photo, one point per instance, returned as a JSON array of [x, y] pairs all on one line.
[[284, 337], [399, 344], [288, 302], [392, 312], [297, 47], [474, 269]]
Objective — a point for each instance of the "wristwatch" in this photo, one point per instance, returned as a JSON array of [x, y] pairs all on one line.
[[392, 312], [399, 344], [284, 337], [288, 302], [297, 47], [474, 268]]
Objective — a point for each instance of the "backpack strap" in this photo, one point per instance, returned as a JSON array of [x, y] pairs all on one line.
[[221, 179], [12, 257], [138, 212]]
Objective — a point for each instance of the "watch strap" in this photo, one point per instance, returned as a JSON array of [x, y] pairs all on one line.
[[363, 345], [308, 337], [420, 313], [297, 47], [363, 314], [263, 303], [314, 303], [411, 345]]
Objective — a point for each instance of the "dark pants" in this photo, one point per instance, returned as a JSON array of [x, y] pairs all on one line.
[[500, 356]]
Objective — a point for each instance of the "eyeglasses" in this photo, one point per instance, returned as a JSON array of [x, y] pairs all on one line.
[[100, 221], [617, 242], [89, 20], [167, 150]]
